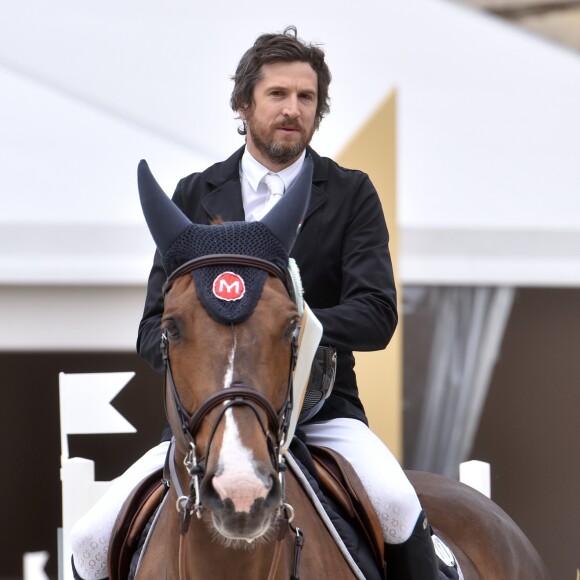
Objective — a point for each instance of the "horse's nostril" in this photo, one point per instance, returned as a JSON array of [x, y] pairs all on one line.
[[273, 489]]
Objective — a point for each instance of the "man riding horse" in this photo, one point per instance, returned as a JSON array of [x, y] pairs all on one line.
[[281, 95]]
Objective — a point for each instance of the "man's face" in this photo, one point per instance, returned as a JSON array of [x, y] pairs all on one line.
[[282, 118]]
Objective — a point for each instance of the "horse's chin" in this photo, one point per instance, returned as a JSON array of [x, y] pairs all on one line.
[[237, 540]]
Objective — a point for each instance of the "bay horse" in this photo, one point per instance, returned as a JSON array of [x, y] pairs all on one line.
[[233, 324]]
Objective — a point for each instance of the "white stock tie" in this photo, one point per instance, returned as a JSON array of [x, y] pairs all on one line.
[[275, 186]]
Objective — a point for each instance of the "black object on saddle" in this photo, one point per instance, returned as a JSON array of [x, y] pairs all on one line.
[[320, 382]]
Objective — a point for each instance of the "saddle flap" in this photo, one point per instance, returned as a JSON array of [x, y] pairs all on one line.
[[339, 479], [134, 515]]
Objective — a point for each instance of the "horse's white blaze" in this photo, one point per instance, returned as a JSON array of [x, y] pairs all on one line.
[[230, 370], [237, 479]]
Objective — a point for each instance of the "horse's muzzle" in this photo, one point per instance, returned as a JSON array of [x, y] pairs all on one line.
[[244, 511]]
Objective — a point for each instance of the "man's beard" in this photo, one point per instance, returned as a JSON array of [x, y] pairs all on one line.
[[277, 152]]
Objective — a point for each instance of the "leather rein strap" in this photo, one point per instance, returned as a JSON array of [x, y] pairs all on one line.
[[236, 394]]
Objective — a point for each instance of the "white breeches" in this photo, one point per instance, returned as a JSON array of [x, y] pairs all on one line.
[[390, 492], [387, 486], [89, 537]]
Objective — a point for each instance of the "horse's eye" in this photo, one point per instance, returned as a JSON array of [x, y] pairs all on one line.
[[172, 329], [292, 330]]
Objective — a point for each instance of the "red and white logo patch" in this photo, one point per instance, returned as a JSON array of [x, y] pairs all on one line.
[[229, 286]]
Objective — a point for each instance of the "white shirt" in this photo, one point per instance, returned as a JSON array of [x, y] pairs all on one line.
[[254, 192]]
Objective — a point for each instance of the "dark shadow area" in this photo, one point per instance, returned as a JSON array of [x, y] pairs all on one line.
[[30, 443], [529, 430]]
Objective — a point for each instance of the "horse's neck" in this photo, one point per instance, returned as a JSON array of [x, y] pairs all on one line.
[[204, 556], [211, 559]]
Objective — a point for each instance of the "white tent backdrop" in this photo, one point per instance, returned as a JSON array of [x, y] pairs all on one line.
[[488, 149], [488, 120], [488, 125]]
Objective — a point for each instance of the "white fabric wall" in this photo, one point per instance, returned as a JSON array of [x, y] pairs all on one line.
[[488, 129]]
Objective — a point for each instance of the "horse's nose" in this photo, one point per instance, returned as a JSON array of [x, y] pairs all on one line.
[[242, 489]]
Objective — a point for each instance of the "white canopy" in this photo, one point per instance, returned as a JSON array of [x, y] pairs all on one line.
[[488, 129]]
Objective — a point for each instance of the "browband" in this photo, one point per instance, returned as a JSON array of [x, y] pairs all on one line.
[[231, 260]]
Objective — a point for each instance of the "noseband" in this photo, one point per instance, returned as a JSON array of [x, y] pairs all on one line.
[[275, 428]]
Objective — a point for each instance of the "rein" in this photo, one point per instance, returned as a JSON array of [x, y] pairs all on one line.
[[238, 394], [284, 523]]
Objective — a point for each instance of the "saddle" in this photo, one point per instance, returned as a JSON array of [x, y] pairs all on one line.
[[339, 480], [336, 476], [137, 510]]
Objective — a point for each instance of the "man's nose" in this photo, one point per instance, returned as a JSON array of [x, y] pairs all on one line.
[[291, 108]]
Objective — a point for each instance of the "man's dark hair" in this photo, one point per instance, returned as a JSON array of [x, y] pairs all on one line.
[[273, 48]]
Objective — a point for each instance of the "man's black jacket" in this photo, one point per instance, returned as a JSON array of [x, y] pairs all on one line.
[[343, 256]]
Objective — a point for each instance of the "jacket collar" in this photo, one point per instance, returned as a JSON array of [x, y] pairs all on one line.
[[224, 200]]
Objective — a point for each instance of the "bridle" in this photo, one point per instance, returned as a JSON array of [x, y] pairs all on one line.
[[274, 428]]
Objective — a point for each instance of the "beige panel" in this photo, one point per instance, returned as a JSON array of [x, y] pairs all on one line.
[[373, 150]]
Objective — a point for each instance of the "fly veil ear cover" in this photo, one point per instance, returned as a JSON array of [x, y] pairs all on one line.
[[179, 241], [167, 223]]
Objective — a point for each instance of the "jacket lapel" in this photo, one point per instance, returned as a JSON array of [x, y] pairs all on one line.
[[318, 194], [225, 202], [224, 198]]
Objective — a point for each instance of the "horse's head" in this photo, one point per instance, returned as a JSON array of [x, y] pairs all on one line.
[[230, 332]]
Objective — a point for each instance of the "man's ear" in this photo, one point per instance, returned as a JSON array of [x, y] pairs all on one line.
[[244, 110]]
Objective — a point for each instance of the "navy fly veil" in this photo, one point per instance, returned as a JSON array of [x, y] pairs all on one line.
[[245, 286], [228, 293]]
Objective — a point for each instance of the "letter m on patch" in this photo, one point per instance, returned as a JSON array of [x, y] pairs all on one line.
[[229, 286]]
